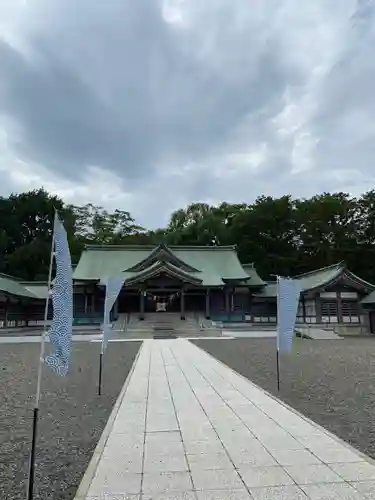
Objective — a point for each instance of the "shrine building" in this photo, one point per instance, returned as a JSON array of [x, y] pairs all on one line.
[[212, 282], [207, 282]]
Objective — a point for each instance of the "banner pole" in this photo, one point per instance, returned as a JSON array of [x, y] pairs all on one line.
[[278, 335], [100, 374], [100, 370], [31, 475], [278, 370], [113, 287]]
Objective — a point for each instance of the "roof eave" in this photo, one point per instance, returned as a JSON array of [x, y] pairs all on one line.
[[163, 268], [339, 265], [360, 281], [231, 280], [326, 283]]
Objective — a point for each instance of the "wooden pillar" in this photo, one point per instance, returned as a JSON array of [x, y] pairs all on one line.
[[86, 299], [27, 311], [142, 305], [17, 310], [303, 307], [208, 312], [318, 309], [339, 307], [227, 302], [182, 303], [250, 301], [115, 309], [6, 313], [370, 321]]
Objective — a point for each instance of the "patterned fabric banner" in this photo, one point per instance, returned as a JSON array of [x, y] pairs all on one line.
[[60, 333], [112, 289], [287, 305]]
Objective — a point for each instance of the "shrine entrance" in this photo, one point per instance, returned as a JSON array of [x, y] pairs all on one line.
[[163, 301]]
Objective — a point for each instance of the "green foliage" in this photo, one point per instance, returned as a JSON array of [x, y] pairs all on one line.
[[281, 235], [95, 225]]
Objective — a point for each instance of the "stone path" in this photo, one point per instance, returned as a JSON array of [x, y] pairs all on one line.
[[255, 334], [189, 428], [36, 339]]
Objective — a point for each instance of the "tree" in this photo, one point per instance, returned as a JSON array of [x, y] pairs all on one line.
[[183, 218], [95, 225], [199, 223], [328, 230], [26, 225], [266, 234], [280, 235]]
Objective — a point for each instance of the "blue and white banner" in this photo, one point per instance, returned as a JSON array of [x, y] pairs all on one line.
[[60, 332], [288, 292], [112, 289]]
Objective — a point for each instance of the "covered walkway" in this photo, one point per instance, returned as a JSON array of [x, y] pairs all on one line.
[[186, 427]]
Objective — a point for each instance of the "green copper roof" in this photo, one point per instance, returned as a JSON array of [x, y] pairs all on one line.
[[268, 291], [38, 289], [167, 268], [214, 265], [319, 278], [12, 286], [309, 281], [255, 279], [161, 253], [369, 300], [326, 275]]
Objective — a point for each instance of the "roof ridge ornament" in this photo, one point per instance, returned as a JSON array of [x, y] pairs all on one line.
[[215, 241]]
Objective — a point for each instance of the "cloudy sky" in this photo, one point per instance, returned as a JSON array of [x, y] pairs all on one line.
[[148, 105]]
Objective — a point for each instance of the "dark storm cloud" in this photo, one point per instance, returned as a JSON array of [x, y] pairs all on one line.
[[198, 100], [113, 86]]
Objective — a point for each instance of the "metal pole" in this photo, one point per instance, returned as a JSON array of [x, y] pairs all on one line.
[[277, 334], [100, 372], [278, 369], [30, 486]]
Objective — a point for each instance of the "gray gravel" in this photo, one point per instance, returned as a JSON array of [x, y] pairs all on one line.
[[72, 416], [331, 382]]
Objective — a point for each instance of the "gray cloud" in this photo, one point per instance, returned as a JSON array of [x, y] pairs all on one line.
[[195, 100]]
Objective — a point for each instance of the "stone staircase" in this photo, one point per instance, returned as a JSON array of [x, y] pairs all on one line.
[[164, 325], [318, 333], [246, 326]]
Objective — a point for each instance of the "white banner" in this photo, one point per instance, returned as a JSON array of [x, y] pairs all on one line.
[[112, 289], [288, 292]]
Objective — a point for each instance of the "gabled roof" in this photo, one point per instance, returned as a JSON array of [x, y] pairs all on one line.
[[255, 279], [320, 278], [161, 253], [163, 268], [329, 275], [212, 265]]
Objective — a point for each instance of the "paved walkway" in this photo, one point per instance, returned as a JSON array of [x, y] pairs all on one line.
[[36, 339], [189, 428]]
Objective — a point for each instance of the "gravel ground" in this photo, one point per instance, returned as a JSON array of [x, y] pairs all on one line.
[[331, 382], [72, 416]]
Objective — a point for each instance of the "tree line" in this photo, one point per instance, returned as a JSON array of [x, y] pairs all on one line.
[[283, 235]]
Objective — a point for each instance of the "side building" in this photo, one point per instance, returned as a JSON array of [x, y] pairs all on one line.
[[22, 303], [196, 281]]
